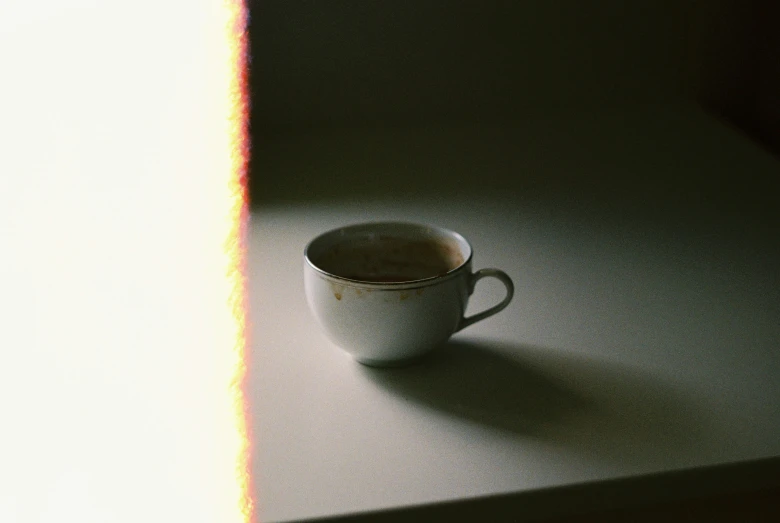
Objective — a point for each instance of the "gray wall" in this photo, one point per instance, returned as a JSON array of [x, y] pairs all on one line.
[[339, 63]]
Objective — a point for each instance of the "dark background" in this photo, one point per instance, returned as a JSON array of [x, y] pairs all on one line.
[[340, 63], [320, 68], [345, 63]]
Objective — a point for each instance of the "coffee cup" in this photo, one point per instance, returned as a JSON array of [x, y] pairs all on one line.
[[390, 292]]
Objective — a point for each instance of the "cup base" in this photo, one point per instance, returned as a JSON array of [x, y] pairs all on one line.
[[385, 364]]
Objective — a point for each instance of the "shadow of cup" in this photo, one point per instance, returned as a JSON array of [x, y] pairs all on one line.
[[486, 386], [599, 408]]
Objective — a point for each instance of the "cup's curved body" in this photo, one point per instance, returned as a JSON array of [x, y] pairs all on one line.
[[379, 325], [386, 323]]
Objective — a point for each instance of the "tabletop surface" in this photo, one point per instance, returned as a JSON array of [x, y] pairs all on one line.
[[642, 338]]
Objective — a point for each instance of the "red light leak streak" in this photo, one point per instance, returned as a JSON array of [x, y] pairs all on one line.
[[237, 27]]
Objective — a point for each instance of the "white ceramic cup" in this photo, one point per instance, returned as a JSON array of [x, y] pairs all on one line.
[[390, 292]]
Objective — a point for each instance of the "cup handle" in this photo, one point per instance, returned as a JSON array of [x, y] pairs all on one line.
[[510, 291]]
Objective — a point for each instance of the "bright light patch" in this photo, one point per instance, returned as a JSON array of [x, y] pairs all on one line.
[[122, 204]]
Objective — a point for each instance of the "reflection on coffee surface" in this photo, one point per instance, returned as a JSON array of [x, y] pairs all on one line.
[[387, 259]]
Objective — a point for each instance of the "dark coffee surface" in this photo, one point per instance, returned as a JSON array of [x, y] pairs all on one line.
[[388, 259]]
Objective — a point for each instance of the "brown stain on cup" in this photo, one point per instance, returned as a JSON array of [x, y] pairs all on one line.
[[338, 290]]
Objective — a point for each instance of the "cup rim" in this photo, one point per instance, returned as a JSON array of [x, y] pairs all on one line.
[[422, 282]]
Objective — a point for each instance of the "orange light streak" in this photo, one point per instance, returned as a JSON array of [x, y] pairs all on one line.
[[235, 243]]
